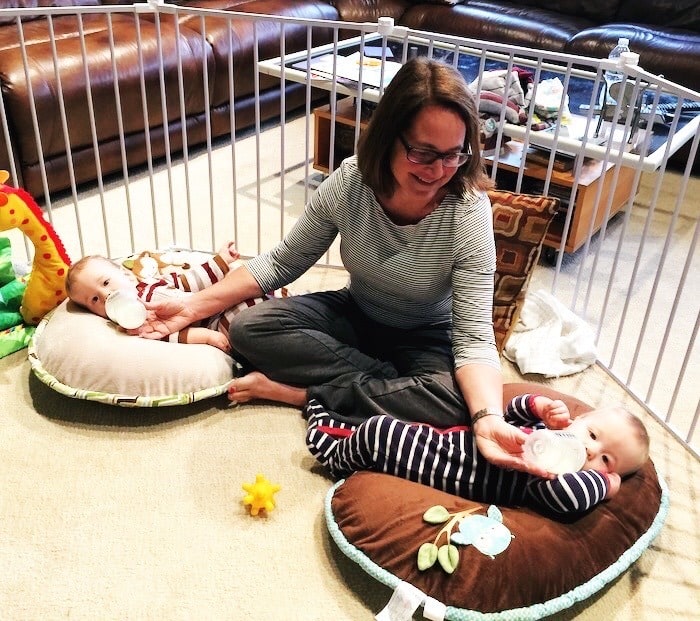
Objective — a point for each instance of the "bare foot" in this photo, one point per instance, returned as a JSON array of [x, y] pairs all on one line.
[[229, 253], [255, 385]]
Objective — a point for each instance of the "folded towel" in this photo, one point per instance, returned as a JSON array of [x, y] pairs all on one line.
[[549, 339]]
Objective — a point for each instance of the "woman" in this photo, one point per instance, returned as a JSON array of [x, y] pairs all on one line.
[[412, 334]]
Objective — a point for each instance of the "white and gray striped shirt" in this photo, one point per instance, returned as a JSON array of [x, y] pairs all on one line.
[[437, 270]]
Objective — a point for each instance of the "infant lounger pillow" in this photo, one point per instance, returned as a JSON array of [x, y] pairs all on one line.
[[512, 562], [84, 356]]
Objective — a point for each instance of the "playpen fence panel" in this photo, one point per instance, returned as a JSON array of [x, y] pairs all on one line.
[[191, 181]]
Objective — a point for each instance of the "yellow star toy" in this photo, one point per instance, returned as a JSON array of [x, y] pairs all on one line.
[[260, 495]]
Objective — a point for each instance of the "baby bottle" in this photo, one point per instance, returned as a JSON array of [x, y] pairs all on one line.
[[556, 451], [123, 307]]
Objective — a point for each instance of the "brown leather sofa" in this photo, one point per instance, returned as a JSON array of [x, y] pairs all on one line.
[[666, 35], [70, 152]]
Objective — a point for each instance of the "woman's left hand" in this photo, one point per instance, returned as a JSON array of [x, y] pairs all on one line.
[[502, 445]]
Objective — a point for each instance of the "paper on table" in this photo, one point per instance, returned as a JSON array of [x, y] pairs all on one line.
[[348, 68]]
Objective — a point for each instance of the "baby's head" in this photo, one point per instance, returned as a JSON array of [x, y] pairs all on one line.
[[93, 278], [616, 440]]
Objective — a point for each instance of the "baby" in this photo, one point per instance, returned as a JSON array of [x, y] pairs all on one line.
[[616, 444], [91, 280]]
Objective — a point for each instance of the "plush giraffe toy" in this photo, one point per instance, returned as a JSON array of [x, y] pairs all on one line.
[[46, 286]]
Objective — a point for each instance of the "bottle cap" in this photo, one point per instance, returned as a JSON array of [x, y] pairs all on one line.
[[123, 307]]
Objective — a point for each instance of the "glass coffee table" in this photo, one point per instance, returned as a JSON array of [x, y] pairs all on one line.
[[356, 70]]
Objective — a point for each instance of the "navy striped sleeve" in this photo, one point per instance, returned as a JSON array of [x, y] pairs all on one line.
[[521, 411], [573, 492]]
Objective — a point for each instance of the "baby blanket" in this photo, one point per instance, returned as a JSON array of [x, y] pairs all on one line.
[[549, 339]]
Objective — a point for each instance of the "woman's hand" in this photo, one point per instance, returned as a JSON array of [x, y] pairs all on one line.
[[502, 445], [164, 318]]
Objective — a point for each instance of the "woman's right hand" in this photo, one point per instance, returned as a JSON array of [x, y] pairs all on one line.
[[502, 445], [165, 317]]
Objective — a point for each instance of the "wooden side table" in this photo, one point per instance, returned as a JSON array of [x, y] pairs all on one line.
[[345, 115], [561, 184]]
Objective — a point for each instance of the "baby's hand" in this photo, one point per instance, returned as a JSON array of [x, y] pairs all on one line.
[[554, 414], [229, 253], [615, 482]]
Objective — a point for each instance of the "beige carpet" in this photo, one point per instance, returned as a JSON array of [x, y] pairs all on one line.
[[109, 513], [112, 513]]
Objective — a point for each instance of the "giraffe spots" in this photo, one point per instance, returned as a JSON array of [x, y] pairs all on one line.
[[61, 272], [3, 199], [46, 256], [43, 238], [59, 293], [24, 222]]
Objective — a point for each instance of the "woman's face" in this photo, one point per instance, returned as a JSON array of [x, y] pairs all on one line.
[[434, 129]]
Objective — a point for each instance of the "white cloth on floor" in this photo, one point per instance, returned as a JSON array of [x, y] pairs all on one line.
[[549, 339]]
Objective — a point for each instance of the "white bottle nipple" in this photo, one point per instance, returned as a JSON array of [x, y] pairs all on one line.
[[556, 451], [123, 307]]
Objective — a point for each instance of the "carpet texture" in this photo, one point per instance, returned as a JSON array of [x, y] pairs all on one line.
[[111, 513]]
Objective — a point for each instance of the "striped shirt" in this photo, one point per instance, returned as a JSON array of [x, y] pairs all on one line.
[[448, 460], [195, 278], [438, 270]]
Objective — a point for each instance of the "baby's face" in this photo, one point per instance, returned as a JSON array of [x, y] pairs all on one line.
[[96, 281], [610, 440]]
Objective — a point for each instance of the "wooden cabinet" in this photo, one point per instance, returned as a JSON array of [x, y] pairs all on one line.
[[344, 143], [589, 204]]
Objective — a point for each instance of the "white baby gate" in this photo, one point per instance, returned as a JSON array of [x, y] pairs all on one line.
[[631, 272]]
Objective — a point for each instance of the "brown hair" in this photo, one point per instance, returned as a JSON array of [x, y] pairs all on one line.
[[419, 83], [77, 267]]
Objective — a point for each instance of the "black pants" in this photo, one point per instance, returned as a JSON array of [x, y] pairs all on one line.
[[353, 365]]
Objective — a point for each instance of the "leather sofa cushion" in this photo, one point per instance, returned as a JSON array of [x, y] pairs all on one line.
[[102, 89], [683, 14], [268, 33], [363, 11], [655, 45], [503, 22], [598, 11]]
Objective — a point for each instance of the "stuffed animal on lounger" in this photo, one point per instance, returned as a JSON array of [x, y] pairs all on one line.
[[46, 285], [149, 265]]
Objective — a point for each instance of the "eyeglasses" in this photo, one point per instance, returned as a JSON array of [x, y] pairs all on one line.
[[428, 156]]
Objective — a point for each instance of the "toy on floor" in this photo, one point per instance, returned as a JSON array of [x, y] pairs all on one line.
[[46, 285], [11, 288], [260, 495], [15, 338]]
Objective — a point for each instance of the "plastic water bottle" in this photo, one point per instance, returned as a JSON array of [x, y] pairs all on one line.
[[556, 451], [612, 76], [123, 307]]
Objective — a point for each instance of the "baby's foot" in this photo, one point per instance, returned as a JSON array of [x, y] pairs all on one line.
[[229, 253]]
